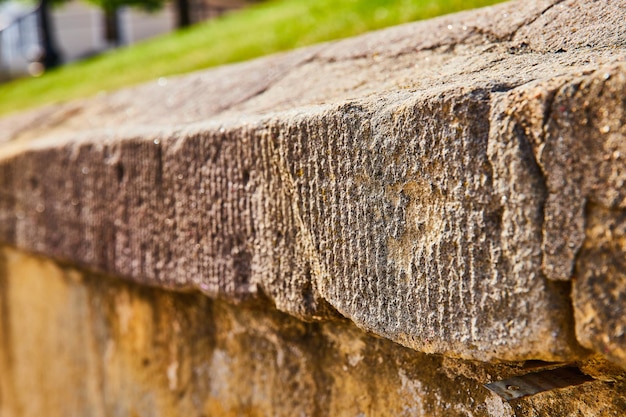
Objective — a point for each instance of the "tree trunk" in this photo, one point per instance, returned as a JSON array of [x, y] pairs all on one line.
[[112, 27], [184, 13], [51, 57]]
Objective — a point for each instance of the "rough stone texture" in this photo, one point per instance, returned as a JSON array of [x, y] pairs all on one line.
[[580, 145], [441, 184], [120, 349], [599, 294]]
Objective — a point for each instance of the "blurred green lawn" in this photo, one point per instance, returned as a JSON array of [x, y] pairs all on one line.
[[259, 30]]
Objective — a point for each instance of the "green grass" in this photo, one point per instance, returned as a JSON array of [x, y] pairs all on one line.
[[263, 29]]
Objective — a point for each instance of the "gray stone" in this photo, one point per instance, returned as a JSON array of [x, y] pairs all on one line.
[[428, 182]]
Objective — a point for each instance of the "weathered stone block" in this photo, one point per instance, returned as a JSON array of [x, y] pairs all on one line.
[[442, 184]]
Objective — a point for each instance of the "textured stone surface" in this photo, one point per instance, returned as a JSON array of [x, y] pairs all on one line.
[[428, 182], [599, 287], [577, 131], [120, 349]]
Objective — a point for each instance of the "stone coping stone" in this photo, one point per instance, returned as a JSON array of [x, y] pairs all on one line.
[[454, 185]]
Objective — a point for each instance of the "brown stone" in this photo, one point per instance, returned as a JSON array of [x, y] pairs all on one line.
[[77, 344], [436, 183]]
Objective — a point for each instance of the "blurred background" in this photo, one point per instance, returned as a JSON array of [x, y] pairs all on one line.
[[53, 51], [34, 37]]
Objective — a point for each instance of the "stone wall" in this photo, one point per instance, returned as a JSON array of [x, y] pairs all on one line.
[[82, 344], [454, 186]]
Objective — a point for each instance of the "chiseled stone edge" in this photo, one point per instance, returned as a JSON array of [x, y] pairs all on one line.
[[576, 126], [220, 208], [137, 204]]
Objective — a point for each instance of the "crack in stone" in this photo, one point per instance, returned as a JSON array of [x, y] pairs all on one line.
[[533, 20]]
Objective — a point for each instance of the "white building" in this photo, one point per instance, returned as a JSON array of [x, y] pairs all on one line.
[[78, 31]]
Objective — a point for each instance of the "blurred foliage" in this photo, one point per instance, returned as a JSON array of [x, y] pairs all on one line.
[[148, 5]]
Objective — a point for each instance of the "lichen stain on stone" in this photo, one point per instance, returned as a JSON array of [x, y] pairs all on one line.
[[421, 223], [350, 345]]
